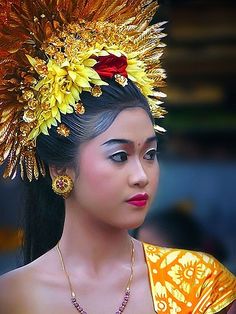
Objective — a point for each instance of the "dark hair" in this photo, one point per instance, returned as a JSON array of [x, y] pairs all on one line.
[[44, 211]]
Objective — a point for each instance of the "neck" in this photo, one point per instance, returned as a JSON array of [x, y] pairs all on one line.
[[85, 241]]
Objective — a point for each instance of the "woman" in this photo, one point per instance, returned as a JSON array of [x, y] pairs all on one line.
[[80, 102]]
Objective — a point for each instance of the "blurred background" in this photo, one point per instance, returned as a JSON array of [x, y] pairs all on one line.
[[195, 207]]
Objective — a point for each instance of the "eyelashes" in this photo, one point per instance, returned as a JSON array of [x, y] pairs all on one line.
[[122, 156], [119, 157], [151, 154]]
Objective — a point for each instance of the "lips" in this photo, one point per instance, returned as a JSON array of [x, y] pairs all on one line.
[[139, 200], [139, 197]]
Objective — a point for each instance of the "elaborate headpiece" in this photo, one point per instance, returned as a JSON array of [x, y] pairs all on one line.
[[53, 50]]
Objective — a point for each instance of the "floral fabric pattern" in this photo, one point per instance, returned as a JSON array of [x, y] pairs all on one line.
[[187, 281]]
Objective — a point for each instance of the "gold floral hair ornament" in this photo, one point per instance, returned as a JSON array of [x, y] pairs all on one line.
[[53, 50], [63, 130]]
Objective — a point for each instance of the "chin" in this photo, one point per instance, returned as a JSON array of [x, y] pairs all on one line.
[[133, 223]]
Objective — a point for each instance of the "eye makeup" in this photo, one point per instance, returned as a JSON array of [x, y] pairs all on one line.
[[120, 156], [151, 154], [118, 149]]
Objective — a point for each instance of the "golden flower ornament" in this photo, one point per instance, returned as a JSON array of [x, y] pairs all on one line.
[[63, 130], [79, 109], [53, 50]]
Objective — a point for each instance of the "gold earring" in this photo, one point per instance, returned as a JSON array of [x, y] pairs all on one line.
[[62, 185]]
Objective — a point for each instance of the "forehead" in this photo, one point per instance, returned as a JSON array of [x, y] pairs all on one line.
[[132, 124]]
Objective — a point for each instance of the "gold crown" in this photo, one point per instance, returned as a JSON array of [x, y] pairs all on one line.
[[53, 50]]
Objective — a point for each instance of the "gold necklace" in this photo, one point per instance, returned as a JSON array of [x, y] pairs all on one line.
[[74, 301]]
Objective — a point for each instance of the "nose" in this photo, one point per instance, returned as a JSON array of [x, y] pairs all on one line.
[[138, 176]]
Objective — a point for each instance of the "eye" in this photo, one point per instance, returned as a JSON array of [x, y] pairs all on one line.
[[150, 154], [119, 157]]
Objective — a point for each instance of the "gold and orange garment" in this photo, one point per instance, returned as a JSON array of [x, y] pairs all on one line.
[[188, 282]]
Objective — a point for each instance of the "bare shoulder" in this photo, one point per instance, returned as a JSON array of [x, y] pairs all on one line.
[[12, 287], [19, 287]]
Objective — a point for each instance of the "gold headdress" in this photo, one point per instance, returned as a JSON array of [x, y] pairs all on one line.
[[53, 50]]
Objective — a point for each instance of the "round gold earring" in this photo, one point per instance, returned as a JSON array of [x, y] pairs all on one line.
[[62, 185]]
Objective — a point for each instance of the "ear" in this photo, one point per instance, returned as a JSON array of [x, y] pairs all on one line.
[[56, 171]]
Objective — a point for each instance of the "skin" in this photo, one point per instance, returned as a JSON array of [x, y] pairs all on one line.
[[95, 242]]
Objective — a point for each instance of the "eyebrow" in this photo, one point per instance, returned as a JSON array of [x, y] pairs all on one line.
[[114, 141]]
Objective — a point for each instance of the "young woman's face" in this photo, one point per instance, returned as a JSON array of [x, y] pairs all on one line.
[[116, 166]]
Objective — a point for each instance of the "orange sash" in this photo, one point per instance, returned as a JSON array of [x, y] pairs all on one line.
[[188, 282]]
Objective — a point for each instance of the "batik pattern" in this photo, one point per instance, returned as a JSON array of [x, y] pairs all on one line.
[[187, 281]]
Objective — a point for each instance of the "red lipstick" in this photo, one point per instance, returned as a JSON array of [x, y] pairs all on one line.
[[139, 200]]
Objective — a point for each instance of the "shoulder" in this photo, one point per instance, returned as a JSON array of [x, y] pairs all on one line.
[[19, 287], [178, 265], [13, 289], [192, 280], [167, 258]]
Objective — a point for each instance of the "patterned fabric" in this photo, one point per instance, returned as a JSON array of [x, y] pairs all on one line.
[[188, 282]]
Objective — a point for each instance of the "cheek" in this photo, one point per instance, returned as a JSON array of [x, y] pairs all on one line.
[[97, 177]]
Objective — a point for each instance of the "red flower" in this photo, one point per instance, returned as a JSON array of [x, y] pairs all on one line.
[[108, 66]]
